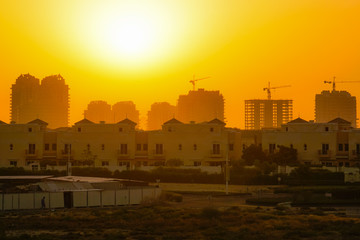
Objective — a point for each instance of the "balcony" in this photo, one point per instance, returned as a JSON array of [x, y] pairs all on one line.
[[121, 154], [324, 154], [65, 154], [49, 154], [31, 154], [158, 154], [217, 154], [355, 154]]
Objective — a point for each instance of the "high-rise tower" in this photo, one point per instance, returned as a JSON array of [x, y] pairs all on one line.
[[267, 113], [24, 102], [334, 104], [54, 101], [159, 113], [48, 101], [200, 106]]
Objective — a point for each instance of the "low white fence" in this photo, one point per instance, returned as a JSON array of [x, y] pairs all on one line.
[[128, 196]]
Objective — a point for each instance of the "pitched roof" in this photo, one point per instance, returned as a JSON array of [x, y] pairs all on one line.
[[128, 121], [339, 121], [172, 121], [1, 122], [38, 121], [84, 121], [217, 121], [298, 120]]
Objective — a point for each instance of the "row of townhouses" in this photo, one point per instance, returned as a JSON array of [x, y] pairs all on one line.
[[209, 144]]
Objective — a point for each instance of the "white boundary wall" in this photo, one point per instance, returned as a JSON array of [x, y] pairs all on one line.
[[128, 196]]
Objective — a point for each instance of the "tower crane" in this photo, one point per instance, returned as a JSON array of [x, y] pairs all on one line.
[[268, 89], [334, 85], [193, 81]]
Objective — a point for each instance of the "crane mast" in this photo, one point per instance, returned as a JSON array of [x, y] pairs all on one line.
[[333, 82], [269, 88], [194, 80]]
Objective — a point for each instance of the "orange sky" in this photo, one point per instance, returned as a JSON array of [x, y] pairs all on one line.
[[147, 51]]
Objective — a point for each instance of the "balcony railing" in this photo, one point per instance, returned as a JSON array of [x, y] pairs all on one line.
[[158, 154], [324, 154], [123, 154], [216, 154], [355, 154], [49, 153], [66, 153], [31, 153]]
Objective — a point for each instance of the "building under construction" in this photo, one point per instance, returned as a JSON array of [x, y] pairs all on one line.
[[267, 113], [200, 106]]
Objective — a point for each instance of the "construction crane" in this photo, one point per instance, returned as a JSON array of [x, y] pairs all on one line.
[[334, 85], [193, 81], [268, 89]]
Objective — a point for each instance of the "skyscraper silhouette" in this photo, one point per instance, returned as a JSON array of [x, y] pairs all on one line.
[[200, 106], [334, 104], [48, 101]]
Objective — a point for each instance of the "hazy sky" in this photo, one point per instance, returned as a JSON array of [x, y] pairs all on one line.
[[147, 51]]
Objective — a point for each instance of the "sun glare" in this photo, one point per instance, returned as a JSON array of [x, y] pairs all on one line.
[[128, 34]]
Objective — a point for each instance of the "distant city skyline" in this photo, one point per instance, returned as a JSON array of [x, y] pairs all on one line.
[[49, 101], [148, 51]]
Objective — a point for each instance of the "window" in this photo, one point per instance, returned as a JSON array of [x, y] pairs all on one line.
[[123, 148], [346, 146], [180, 147], [169, 129], [79, 129], [341, 147], [243, 146], [159, 149], [13, 163], [231, 147], [145, 163], [272, 147], [357, 148], [347, 164], [291, 146], [29, 129], [67, 148], [145, 147], [127, 164], [305, 147], [47, 147], [324, 148], [216, 148], [326, 129], [341, 164], [211, 129], [54, 147], [120, 129], [138, 147], [105, 163], [88, 147], [102, 147], [31, 148], [11, 147], [195, 147], [286, 129], [197, 163]]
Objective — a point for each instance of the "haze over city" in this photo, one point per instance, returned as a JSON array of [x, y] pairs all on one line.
[[148, 51]]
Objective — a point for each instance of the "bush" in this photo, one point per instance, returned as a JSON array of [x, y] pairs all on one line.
[[172, 197], [210, 213]]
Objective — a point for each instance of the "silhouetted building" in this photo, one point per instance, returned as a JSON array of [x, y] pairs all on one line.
[[330, 105], [54, 104], [200, 106], [125, 109], [48, 101], [159, 113], [99, 111], [264, 113]]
